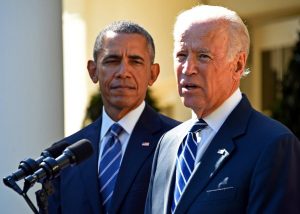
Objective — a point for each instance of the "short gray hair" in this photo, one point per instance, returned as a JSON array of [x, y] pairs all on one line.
[[126, 27], [239, 39]]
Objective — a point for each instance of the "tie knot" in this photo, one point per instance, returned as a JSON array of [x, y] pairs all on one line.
[[116, 129], [198, 126]]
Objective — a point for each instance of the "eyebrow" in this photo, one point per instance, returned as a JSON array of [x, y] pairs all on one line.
[[111, 56], [204, 50], [199, 49], [118, 57], [136, 57]]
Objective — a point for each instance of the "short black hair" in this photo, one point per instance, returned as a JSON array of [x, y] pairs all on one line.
[[126, 27]]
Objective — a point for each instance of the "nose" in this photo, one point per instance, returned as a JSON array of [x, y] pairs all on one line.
[[124, 70], [189, 67]]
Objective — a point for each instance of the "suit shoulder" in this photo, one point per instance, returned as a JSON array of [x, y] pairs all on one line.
[[87, 132], [151, 117], [268, 124], [176, 131], [267, 133], [167, 121]]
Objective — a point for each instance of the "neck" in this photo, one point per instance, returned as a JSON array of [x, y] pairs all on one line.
[[116, 114]]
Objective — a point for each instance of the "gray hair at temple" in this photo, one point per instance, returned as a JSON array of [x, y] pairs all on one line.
[[126, 27], [239, 39]]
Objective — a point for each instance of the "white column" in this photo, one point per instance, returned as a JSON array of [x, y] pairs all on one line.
[[76, 77], [31, 87]]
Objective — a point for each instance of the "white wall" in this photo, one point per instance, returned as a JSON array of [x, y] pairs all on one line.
[[75, 72], [31, 87]]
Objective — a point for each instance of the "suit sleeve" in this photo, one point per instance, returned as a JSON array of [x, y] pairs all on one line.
[[148, 205], [275, 185]]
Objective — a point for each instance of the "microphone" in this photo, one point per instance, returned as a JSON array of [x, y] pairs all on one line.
[[50, 168], [29, 166]]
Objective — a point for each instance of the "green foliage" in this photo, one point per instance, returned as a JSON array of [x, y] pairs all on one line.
[[287, 110], [93, 110], [151, 101], [95, 107]]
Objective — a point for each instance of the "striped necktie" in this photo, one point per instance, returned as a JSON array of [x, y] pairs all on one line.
[[109, 165], [186, 160]]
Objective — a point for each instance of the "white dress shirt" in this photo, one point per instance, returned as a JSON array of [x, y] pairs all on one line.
[[127, 122], [214, 122]]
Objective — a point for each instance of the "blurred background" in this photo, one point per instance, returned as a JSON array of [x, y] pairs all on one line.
[[45, 89]]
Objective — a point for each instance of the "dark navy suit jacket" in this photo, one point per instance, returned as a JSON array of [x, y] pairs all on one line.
[[251, 166], [77, 188]]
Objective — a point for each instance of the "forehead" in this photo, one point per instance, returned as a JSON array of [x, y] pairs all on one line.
[[116, 42], [203, 34]]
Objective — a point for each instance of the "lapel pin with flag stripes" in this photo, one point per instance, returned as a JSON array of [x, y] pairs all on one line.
[[145, 144]]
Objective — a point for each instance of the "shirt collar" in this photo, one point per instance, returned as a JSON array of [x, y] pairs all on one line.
[[127, 122], [216, 119]]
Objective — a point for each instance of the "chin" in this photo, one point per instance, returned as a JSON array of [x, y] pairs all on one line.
[[122, 103], [187, 102], [125, 103], [192, 103]]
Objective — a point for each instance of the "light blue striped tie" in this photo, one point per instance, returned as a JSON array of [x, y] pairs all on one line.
[[109, 165], [186, 160]]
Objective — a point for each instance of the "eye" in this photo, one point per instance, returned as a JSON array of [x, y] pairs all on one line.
[[180, 56], [137, 61], [204, 57], [111, 60]]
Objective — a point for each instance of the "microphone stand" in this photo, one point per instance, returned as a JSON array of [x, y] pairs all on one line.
[[10, 182], [42, 196], [29, 202], [49, 169]]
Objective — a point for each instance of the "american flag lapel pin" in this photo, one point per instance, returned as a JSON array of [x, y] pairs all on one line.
[[145, 144]]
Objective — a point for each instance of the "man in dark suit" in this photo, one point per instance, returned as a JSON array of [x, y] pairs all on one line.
[[234, 159], [124, 67]]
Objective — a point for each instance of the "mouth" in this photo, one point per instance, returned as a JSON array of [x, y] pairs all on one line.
[[189, 86], [122, 87]]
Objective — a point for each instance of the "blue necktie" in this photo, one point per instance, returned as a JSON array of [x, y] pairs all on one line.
[[109, 165], [186, 160]]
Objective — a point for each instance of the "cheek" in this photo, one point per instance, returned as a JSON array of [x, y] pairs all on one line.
[[140, 81], [220, 86], [104, 81], [177, 71]]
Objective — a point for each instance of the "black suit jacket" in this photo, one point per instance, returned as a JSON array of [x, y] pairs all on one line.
[[252, 165], [77, 188]]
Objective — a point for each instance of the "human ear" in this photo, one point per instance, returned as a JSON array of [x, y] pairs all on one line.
[[239, 65], [154, 72], [92, 69]]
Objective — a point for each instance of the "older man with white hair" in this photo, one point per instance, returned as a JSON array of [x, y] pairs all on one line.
[[228, 158]]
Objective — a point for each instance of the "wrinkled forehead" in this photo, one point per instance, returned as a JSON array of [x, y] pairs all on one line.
[[201, 31], [203, 37], [200, 28], [134, 43], [123, 44]]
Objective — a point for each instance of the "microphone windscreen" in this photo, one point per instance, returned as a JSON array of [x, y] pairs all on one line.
[[82, 149], [57, 148]]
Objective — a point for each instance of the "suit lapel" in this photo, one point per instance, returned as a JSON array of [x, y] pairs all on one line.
[[141, 144], [219, 151], [89, 168], [171, 149], [212, 161]]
